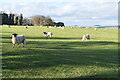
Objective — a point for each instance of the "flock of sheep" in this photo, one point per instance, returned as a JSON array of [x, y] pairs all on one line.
[[21, 39]]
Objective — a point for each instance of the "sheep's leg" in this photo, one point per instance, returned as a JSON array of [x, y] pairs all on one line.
[[82, 39], [23, 45], [47, 37], [50, 36], [18, 45], [13, 46]]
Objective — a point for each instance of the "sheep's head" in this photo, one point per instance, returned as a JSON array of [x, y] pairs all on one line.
[[45, 32], [14, 34]]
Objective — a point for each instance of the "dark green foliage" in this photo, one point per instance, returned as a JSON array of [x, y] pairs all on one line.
[[10, 19], [59, 24], [4, 18], [20, 19], [0, 19]]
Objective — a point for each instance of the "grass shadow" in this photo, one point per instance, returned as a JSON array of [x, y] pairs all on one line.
[[64, 38], [45, 54], [62, 53]]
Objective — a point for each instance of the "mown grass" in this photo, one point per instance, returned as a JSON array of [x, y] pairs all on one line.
[[63, 56]]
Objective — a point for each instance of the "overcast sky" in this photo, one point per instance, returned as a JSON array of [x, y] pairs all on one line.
[[71, 12]]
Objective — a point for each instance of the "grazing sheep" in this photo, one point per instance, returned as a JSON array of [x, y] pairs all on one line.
[[8, 26], [63, 27], [18, 39], [95, 29], [26, 27], [48, 34], [86, 37]]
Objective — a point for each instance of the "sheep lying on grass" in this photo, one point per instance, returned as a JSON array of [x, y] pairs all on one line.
[[8, 26], [18, 39], [48, 34], [86, 37]]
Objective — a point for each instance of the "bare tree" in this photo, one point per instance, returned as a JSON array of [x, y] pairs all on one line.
[[27, 21], [42, 20]]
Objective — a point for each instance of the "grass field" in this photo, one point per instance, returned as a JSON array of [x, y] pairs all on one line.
[[63, 56]]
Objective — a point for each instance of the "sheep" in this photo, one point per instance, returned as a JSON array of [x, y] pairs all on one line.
[[8, 26], [18, 39], [48, 34], [95, 29], [62, 27], [86, 37], [26, 27]]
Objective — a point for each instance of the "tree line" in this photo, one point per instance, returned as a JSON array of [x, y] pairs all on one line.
[[37, 20], [11, 19], [40, 20]]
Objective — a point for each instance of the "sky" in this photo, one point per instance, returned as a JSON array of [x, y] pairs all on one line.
[[71, 12]]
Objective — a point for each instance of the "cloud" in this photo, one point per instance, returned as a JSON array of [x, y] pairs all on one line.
[[68, 9], [82, 1], [64, 10], [73, 12]]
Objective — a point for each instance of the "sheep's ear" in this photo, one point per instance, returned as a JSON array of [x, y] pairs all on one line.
[[14, 34]]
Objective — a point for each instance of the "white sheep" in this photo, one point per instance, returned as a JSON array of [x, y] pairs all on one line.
[[26, 27], [86, 37], [48, 34], [95, 29], [18, 39], [8, 26], [63, 27]]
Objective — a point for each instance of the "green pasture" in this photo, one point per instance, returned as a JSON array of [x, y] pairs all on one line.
[[63, 56]]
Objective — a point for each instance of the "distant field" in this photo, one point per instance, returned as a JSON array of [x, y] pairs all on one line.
[[63, 56]]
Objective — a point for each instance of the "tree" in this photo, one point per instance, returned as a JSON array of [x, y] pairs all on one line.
[[49, 21], [20, 19], [11, 19], [27, 21], [59, 24], [5, 18], [16, 19], [40, 20]]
